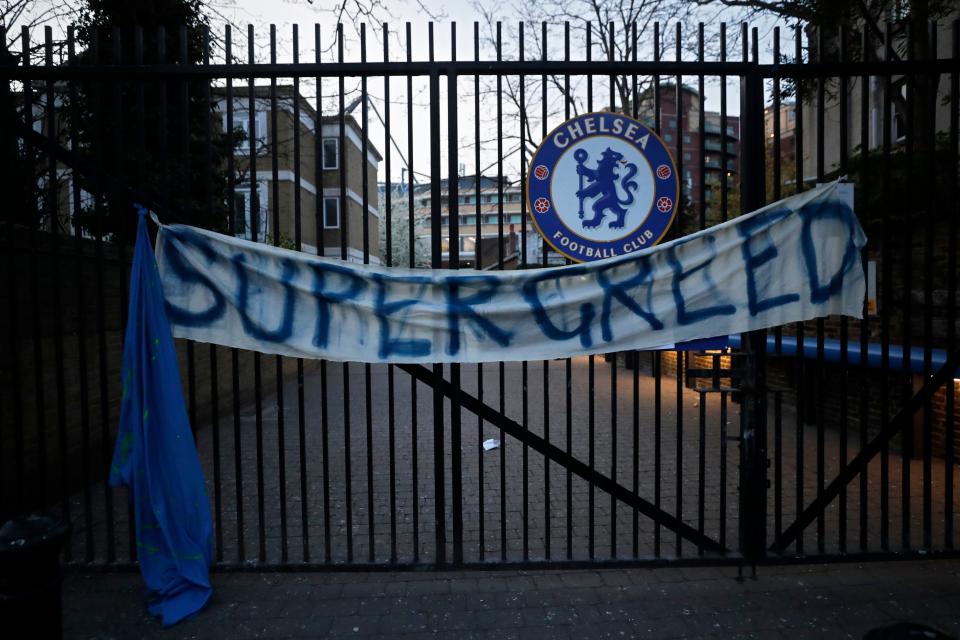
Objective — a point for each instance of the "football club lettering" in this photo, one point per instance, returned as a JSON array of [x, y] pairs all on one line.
[[604, 185]]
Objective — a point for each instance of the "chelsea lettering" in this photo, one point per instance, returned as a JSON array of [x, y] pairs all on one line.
[[622, 127]]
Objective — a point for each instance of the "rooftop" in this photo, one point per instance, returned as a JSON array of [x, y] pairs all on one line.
[[284, 93]]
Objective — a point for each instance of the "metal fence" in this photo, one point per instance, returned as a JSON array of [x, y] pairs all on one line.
[[634, 458]]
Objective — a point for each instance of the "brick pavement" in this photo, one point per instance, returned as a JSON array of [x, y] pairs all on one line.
[[273, 512], [802, 601]]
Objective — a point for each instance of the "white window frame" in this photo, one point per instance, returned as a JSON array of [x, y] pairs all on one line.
[[323, 153], [65, 181], [241, 120], [901, 88], [263, 196], [242, 214], [334, 199]]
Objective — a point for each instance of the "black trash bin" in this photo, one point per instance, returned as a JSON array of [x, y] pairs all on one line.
[[30, 576]]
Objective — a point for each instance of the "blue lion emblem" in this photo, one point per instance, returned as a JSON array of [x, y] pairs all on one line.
[[603, 183]]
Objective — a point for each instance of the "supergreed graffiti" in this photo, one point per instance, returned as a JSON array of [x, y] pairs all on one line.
[[794, 260]]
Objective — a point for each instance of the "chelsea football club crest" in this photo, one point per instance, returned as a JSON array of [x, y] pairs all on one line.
[[602, 185]]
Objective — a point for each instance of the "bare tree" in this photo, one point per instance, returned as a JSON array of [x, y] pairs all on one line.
[[28, 186], [401, 236], [619, 30], [353, 13], [825, 22], [15, 15]]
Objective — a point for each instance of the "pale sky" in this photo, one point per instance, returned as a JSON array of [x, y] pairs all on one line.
[[286, 13]]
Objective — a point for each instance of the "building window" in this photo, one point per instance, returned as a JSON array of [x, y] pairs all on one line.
[[241, 200], [899, 122], [243, 206], [686, 138], [331, 153], [667, 137], [686, 156], [514, 217], [331, 213], [673, 123], [241, 121]]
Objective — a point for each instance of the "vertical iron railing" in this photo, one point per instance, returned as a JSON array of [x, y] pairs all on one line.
[[860, 413], [753, 396]]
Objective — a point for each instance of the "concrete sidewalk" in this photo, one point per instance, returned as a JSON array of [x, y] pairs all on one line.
[[808, 601]]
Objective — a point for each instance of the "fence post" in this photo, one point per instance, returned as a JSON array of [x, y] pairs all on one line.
[[753, 409], [436, 254]]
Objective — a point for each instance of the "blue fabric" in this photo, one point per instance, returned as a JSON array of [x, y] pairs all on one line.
[[155, 456]]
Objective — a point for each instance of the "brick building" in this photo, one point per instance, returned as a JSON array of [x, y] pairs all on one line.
[[315, 181], [487, 193], [787, 117], [721, 145]]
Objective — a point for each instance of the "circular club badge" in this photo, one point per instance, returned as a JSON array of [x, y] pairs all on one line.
[[602, 185]]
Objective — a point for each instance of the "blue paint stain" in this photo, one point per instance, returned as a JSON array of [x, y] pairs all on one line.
[[753, 261], [285, 327], [325, 297], [542, 318], [466, 298], [811, 213], [684, 315], [186, 274], [383, 310], [462, 308], [621, 291]]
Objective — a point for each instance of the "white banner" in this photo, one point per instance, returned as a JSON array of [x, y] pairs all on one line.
[[793, 260]]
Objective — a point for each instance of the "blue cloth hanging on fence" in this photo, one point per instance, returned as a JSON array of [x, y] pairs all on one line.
[[155, 455]]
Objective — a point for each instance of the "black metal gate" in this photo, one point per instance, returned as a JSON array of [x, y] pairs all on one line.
[[638, 458]]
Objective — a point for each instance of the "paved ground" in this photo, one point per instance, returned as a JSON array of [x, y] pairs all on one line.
[[266, 511], [810, 601]]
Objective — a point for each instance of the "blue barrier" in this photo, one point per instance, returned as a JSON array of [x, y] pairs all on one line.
[[874, 355]]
